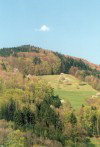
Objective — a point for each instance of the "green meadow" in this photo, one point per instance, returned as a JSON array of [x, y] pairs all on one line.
[[70, 89]]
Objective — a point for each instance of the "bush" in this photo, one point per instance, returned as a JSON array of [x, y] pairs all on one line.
[[82, 84]]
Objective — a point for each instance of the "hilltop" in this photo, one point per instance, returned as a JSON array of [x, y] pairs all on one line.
[[14, 51]]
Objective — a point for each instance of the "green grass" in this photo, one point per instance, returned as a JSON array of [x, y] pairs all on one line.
[[73, 93], [76, 98]]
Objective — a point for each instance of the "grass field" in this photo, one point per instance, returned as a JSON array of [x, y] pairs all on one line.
[[74, 92]]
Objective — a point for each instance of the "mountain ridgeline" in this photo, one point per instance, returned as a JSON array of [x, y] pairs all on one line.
[[37, 61]]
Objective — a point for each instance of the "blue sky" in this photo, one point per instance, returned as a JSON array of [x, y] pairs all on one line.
[[67, 26]]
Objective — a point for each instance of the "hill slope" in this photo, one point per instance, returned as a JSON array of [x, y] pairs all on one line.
[[70, 88], [92, 65]]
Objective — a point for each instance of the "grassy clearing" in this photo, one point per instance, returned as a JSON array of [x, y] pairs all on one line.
[[77, 98], [73, 92]]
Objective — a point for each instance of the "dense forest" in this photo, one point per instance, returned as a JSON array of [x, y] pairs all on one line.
[[30, 112]]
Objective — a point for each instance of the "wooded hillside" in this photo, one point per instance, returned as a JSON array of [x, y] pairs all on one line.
[[36, 61]]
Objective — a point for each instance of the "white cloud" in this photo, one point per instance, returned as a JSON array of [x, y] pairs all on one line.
[[43, 28]]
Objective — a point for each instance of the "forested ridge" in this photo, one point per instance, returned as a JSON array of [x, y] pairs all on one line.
[[36, 61]]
